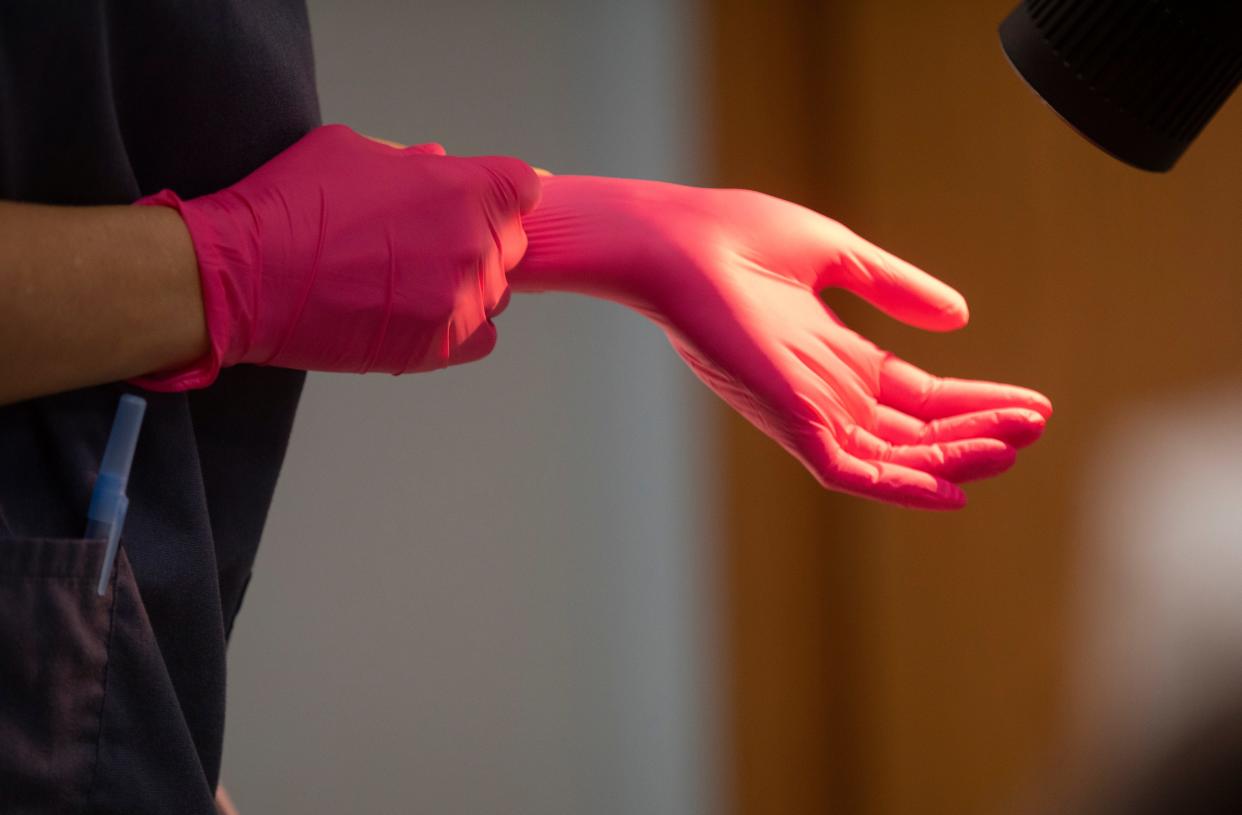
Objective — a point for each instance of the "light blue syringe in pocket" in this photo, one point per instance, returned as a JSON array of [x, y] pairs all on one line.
[[106, 514]]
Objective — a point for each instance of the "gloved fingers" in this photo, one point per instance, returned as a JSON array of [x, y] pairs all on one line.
[[511, 243], [517, 184], [956, 461], [431, 148], [815, 445], [898, 288], [386, 142], [1014, 426], [493, 288], [838, 469], [924, 396], [474, 346], [501, 304], [489, 284], [960, 455], [428, 148]]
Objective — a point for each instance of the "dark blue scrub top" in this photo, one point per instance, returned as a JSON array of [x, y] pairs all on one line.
[[116, 704]]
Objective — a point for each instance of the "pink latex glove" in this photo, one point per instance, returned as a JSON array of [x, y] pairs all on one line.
[[343, 253], [733, 278]]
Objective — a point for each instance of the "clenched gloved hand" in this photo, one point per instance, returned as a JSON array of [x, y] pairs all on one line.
[[343, 253], [733, 277]]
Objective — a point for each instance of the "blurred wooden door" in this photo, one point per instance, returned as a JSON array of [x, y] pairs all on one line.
[[897, 663]]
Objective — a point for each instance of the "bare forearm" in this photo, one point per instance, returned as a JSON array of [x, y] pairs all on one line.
[[94, 294]]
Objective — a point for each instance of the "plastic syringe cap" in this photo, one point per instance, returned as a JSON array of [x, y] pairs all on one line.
[[119, 454]]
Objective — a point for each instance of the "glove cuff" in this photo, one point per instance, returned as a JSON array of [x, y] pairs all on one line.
[[218, 261]]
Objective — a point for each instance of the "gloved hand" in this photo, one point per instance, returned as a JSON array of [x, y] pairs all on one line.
[[343, 253], [733, 278]]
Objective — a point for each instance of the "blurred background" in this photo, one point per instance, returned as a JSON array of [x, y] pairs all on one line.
[[569, 582]]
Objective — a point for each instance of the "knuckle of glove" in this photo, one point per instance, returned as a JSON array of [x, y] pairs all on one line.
[[511, 183], [437, 305]]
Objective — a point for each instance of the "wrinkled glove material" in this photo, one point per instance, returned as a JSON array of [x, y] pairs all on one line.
[[343, 253]]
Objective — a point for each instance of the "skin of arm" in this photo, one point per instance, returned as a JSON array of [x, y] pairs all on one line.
[[96, 294]]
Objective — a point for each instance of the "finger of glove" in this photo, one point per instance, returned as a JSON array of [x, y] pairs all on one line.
[[502, 304], [428, 148], [838, 469], [962, 458], [431, 148], [492, 276], [511, 241], [508, 246], [1015, 426], [517, 185], [924, 396], [957, 461], [898, 288], [815, 446], [477, 345]]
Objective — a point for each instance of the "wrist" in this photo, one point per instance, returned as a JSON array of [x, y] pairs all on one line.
[[223, 250], [595, 236]]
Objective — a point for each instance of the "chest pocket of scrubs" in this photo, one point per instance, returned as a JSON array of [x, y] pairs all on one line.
[[54, 640]]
